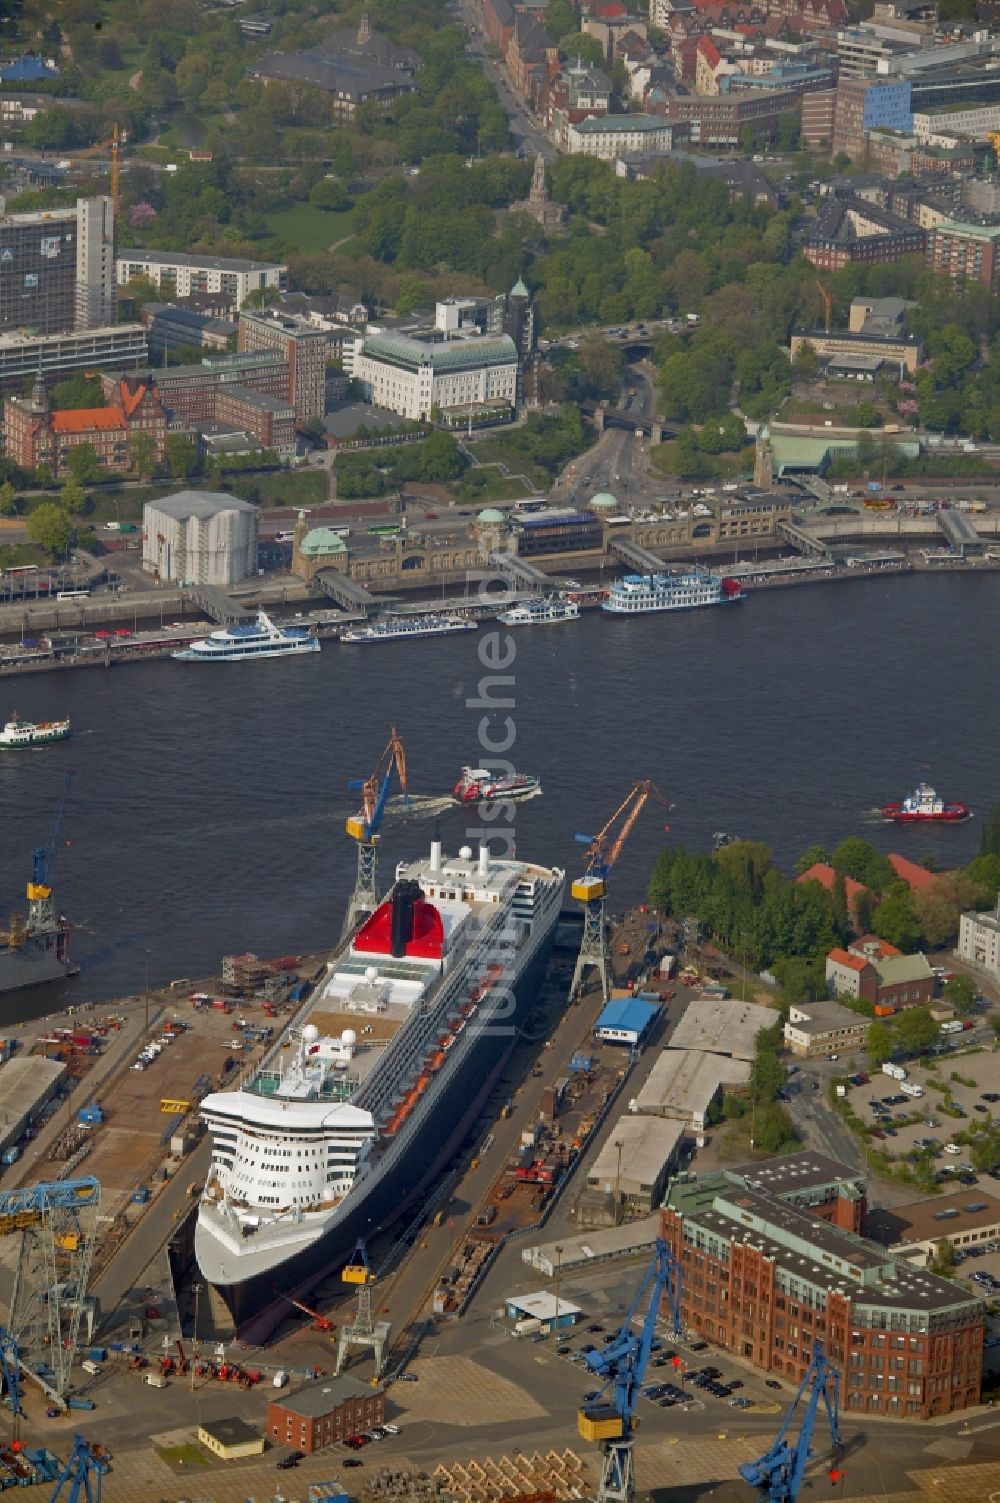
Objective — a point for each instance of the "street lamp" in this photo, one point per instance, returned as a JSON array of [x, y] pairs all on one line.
[[559, 1253], [618, 1182]]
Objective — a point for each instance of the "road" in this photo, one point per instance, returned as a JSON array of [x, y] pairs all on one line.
[[525, 129]]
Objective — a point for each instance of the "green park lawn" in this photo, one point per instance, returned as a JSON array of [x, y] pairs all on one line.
[[306, 228]]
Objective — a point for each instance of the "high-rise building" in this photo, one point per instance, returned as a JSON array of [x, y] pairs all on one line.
[[302, 345], [95, 263], [57, 268]]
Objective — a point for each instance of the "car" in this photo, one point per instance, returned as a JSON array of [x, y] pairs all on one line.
[[390, 1429], [407, 1378], [771, 1383], [596, 1330], [352, 1461], [563, 1351], [741, 1403], [103, 636], [736, 1382], [891, 1132], [833, 1056], [877, 1134], [991, 1096], [377, 1433], [430, 516], [666, 1402], [122, 631], [595, 1393], [292, 1459], [588, 1346], [864, 1079], [979, 1107]]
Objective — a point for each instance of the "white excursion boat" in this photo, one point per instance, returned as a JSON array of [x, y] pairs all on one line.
[[19, 734], [549, 610], [639, 594], [262, 639], [401, 628]]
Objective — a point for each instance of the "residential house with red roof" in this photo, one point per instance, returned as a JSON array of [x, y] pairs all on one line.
[[917, 878], [825, 875]]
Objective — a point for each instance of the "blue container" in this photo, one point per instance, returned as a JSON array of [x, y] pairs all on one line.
[[98, 1354]]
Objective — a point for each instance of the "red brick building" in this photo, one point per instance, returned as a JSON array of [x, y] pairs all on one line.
[[34, 435], [269, 420], [772, 1262], [323, 1413]]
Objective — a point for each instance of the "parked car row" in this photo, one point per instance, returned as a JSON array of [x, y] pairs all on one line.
[[353, 1442]]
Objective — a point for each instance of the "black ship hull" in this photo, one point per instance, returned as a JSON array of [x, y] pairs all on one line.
[[261, 1302], [41, 958]]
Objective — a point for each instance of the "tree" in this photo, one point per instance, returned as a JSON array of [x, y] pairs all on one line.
[[880, 1043], [329, 194], [51, 527], [985, 1150], [602, 363], [915, 1029], [182, 456], [989, 835], [72, 498], [8, 501], [83, 463], [960, 991], [815, 855], [859, 859], [895, 918], [944, 1259], [840, 899], [141, 454], [864, 909]]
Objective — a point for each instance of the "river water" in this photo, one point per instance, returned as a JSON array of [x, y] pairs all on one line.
[[207, 810]]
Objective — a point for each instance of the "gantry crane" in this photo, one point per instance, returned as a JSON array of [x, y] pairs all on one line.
[[623, 1362], [603, 850], [364, 1331], [83, 1471], [57, 1223], [41, 910], [827, 297], [779, 1472], [364, 828], [10, 1368]]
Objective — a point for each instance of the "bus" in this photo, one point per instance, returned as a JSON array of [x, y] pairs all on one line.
[[528, 506], [20, 571], [384, 530], [72, 594]]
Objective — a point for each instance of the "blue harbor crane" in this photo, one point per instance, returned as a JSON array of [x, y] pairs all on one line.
[[622, 1362], [603, 850], [365, 825], [10, 1369], [83, 1471], [778, 1474], [41, 911]]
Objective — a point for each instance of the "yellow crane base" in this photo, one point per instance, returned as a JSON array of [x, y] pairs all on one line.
[[174, 1107], [588, 889], [601, 1422]]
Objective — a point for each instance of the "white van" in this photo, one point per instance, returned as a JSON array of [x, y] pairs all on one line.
[[952, 1148]]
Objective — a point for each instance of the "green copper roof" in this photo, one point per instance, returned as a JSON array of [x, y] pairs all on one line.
[[445, 355], [490, 514], [604, 501], [322, 540], [519, 289]]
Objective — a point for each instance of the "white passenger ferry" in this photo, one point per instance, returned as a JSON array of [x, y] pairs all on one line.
[[262, 639], [638, 594], [353, 1112], [401, 628], [549, 610]]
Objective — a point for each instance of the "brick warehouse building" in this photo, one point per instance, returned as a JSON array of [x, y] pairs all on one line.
[[772, 1260], [323, 1413]]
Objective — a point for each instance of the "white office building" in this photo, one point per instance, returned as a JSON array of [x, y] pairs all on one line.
[[979, 941], [179, 274], [204, 537], [613, 136], [412, 376]]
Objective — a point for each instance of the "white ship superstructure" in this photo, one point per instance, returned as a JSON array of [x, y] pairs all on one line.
[[330, 1133], [640, 594]]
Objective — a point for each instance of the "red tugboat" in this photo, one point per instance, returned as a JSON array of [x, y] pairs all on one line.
[[923, 806], [478, 785]]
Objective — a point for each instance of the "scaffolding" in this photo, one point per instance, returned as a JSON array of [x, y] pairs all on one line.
[[57, 1223]]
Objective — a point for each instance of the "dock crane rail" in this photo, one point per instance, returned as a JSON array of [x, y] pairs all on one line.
[[779, 1472], [622, 1362]]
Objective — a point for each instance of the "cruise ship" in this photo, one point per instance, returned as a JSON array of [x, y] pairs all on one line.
[[373, 1086], [638, 594], [550, 610], [262, 639]]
